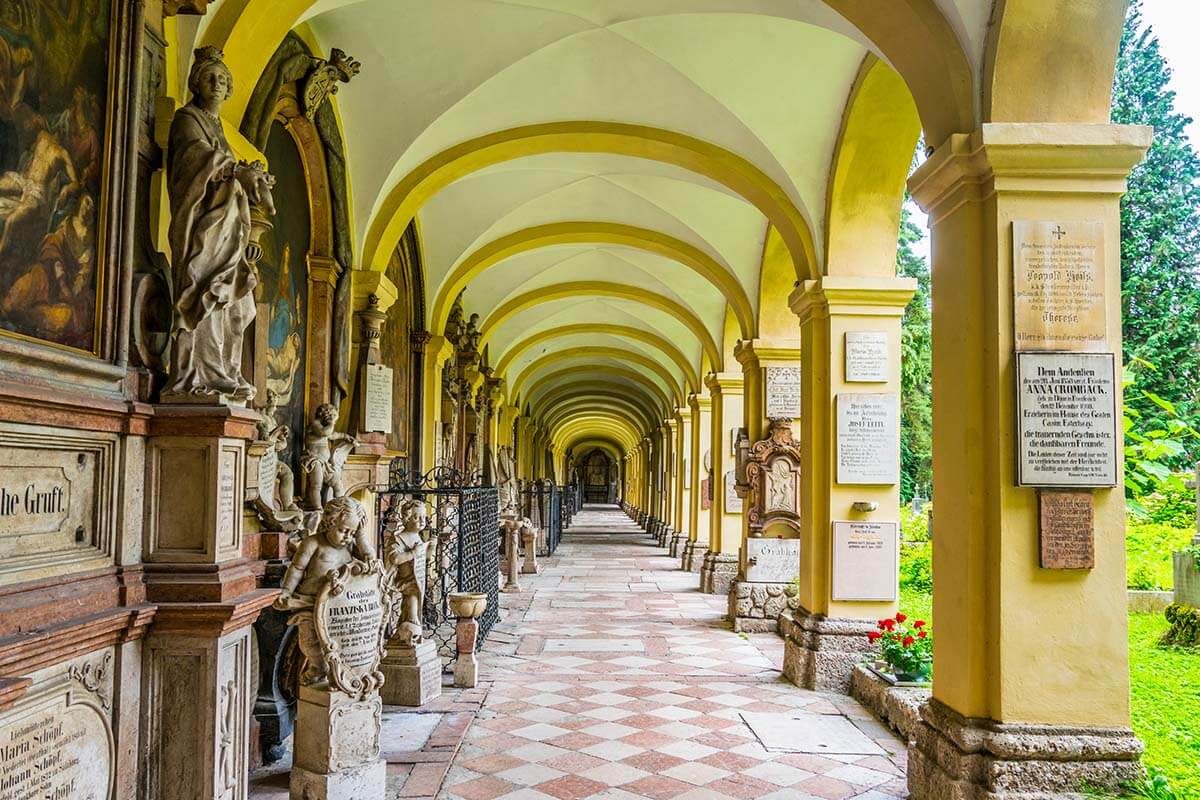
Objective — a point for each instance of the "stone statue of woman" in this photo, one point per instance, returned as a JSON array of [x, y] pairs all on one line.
[[211, 194]]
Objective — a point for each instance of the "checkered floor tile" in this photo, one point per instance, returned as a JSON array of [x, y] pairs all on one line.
[[615, 678]]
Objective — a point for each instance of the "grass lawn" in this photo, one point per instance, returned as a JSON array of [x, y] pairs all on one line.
[[1165, 701]]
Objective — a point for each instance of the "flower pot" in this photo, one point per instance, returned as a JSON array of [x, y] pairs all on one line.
[[920, 675], [467, 605]]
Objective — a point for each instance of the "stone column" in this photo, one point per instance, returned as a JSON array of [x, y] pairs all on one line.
[[683, 479], [1032, 681], [719, 566], [671, 523], [529, 537], [323, 275], [197, 654], [692, 555], [438, 350], [512, 563]]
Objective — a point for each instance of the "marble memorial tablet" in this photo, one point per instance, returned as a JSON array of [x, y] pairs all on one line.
[[60, 747], [1065, 529], [1059, 298], [866, 560], [1067, 426], [733, 503], [868, 439], [783, 392], [349, 615], [268, 465], [772, 560], [866, 356], [377, 398]]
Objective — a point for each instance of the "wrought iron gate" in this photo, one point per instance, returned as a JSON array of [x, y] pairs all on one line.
[[541, 501], [462, 531]]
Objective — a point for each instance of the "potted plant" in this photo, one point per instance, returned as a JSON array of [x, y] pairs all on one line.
[[908, 650]]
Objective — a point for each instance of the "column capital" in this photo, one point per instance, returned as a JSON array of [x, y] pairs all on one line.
[[672, 423], [748, 351], [1028, 157], [838, 295], [323, 269], [699, 402], [367, 283], [728, 382]]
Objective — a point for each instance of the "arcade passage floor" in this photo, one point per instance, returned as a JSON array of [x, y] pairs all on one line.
[[612, 676]]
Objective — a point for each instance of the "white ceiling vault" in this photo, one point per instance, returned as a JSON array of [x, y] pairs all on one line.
[[765, 80]]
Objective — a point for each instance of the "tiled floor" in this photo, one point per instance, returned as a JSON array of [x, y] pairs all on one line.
[[611, 676]]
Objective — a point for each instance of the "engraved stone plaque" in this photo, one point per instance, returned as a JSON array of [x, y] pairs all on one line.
[[1065, 529], [1059, 299], [377, 398], [268, 465], [228, 497], [783, 392], [1067, 425], [868, 439], [349, 614], [772, 560], [33, 499], [60, 747], [866, 356], [866, 560], [733, 503]]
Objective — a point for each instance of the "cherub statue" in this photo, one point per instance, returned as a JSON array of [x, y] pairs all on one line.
[[473, 334], [339, 539], [285, 480], [325, 452], [404, 556]]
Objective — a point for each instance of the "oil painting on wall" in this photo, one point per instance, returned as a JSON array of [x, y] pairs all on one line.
[[53, 96], [394, 344], [283, 286]]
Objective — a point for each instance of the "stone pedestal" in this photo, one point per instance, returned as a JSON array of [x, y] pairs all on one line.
[[529, 537], [466, 666], [951, 757], [755, 607], [820, 652], [512, 565], [337, 747], [692, 557], [717, 572], [676, 543], [664, 533], [412, 676]]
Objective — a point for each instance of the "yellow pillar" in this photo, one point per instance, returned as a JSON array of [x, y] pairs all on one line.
[[826, 636], [692, 556], [725, 523], [683, 480], [1043, 651], [438, 350], [671, 514]]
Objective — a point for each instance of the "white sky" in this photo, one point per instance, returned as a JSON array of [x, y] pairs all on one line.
[[1175, 23]]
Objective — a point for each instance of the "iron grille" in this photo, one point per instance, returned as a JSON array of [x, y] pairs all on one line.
[[462, 528]]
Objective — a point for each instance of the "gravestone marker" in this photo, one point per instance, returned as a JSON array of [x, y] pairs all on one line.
[[1059, 299], [1065, 529], [866, 356], [377, 398], [868, 439], [349, 614], [866, 560], [783, 392], [733, 503], [57, 748], [772, 560]]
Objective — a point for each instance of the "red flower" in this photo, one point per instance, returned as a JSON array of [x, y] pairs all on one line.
[[921, 634], [874, 635], [889, 624], [882, 624], [908, 640], [900, 617], [919, 624]]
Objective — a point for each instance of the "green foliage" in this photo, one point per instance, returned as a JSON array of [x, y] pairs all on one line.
[[908, 649], [1151, 444], [914, 525], [916, 566], [916, 368], [1173, 505], [1148, 549], [1165, 703], [1153, 786], [1160, 243], [1185, 626]]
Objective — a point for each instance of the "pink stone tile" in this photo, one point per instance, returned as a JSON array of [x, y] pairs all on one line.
[[483, 788], [570, 787], [658, 787]]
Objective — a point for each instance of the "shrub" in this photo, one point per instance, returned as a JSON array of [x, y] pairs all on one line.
[[916, 566], [1172, 504], [914, 525], [1148, 550]]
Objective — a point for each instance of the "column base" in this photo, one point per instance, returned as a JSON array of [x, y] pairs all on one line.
[[368, 782], [664, 533], [717, 572], [952, 757], [755, 607], [675, 544], [692, 556], [820, 652], [412, 676]]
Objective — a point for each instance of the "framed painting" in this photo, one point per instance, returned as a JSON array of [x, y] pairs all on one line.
[[56, 121]]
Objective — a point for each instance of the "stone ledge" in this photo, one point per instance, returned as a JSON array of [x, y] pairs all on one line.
[[820, 652], [756, 607], [898, 706]]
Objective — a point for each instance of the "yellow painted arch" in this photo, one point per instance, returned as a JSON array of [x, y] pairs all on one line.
[[619, 291], [599, 391], [599, 352], [589, 412], [579, 447], [614, 427], [589, 136], [584, 232], [603, 329], [564, 407], [575, 377], [591, 416]]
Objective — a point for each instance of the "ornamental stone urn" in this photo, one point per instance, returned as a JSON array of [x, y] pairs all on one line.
[[467, 606]]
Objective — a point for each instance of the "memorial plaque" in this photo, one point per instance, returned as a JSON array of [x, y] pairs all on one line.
[[349, 617], [705, 494], [377, 398], [733, 503], [866, 356], [268, 465], [228, 496], [1059, 298], [866, 560], [783, 392], [33, 499], [868, 439], [1067, 425], [772, 560], [1065, 529], [59, 748]]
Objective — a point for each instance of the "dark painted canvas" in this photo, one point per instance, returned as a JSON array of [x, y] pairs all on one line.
[[395, 343], [53, 111]]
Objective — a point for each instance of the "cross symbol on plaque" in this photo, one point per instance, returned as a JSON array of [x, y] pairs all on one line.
[[1058, 232]]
